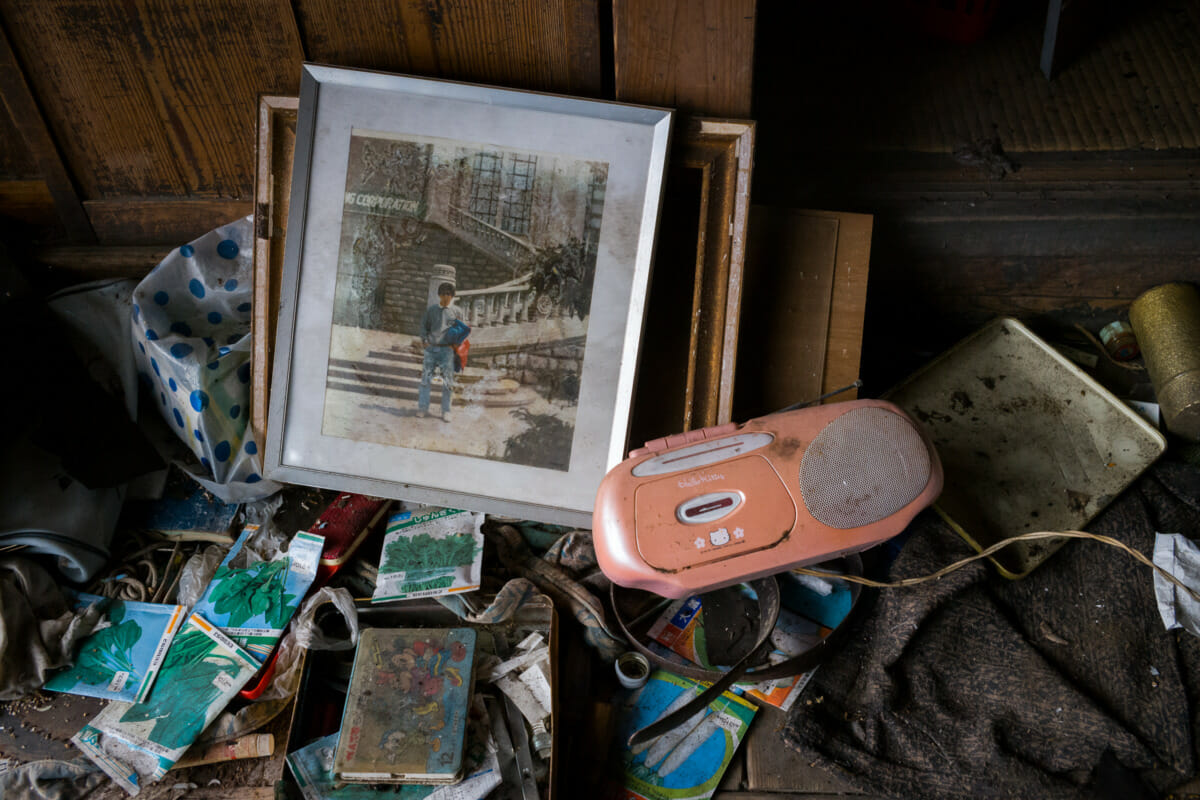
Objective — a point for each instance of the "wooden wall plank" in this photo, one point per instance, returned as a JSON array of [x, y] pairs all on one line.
[[156, 97], [524, 44], [693, 55], [149, 220], [22, 110]]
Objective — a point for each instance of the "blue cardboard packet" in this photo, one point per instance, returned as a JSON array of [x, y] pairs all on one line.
[[121, 657], [252, 604], [689, 760]]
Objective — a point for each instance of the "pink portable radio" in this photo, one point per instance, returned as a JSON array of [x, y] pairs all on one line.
[[722, 505]]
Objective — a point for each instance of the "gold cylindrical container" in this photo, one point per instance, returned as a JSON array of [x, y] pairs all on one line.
[[1166, 321]]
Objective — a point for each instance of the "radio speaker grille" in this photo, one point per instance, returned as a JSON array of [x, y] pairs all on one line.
[[863, 466]]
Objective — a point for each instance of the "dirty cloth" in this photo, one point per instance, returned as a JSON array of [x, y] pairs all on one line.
[[51, 780], [1063, 684], [38, 628]]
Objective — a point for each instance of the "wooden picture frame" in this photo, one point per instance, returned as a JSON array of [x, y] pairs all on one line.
[[689, 356], [272, 190]]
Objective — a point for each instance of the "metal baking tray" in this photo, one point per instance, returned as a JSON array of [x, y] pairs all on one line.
[[1029, 442]]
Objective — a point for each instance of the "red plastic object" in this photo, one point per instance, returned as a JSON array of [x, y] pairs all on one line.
[[961, 21]]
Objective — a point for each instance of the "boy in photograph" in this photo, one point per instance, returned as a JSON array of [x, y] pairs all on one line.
[[438, 354]]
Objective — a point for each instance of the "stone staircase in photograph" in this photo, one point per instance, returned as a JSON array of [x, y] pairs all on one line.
[[396, 374]]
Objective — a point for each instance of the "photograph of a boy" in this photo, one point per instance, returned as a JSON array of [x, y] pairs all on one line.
[[438, 356]]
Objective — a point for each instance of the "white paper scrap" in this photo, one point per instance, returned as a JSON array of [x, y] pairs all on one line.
[[1180, 556]]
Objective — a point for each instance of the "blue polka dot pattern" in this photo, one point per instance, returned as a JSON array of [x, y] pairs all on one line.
[[178, 417], [181, 350], [137, 311], [253, 478], [244, 307], [187, 251], [207, 464], [251, 448], [162, 397], [227, 249], [151, 336], [199, 400], [243, 372], [222, 451], [199, 436], [182, 328], [223, 350], [234, 411], [196, 288], [231, 284], [141, 347], [174, 386], [208, 340], [162, 298], [214, 364], [154, 364], [214, 317]]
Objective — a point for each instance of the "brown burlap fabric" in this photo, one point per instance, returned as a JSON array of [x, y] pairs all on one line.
[[1061, 685]]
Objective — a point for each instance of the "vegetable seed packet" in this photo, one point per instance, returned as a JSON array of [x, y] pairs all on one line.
[[430, 551], [253, 603], [136, 743], [121, 657]]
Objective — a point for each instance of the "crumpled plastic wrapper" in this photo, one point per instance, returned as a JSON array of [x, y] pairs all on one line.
[[191, 332], [1179, 556]]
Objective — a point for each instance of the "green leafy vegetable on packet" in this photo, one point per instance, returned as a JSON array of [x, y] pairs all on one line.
[[423, 552], [258, 590]]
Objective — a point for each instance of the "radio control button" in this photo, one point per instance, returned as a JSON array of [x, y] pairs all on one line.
[[708, 507]]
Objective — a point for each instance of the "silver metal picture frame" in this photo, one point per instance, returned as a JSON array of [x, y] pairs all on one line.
[[463, 294]]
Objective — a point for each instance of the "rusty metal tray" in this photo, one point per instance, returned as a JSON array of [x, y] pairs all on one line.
[[1029, 442]]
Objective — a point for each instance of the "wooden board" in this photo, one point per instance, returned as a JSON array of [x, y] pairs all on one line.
[[804, 305], [692, 55], [524, 44], [27, 121], [774, 767], [154, 97]]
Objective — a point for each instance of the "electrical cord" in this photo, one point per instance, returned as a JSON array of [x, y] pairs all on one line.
[[999, 546]]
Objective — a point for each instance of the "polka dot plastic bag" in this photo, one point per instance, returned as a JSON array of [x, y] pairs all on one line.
[[191, 332]]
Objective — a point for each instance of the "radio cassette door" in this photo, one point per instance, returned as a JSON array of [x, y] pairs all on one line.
[[697, 517]]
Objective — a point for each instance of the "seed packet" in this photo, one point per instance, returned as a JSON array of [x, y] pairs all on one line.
[[121, 657], [430, 551], [252, 603], [136, 743], [688, 760]]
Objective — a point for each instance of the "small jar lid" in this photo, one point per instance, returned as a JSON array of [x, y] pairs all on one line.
[[633, 670]]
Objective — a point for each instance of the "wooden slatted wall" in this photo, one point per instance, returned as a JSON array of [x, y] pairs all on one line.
[[132, 122]]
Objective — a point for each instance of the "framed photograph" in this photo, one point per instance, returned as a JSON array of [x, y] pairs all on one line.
[[464, 286]]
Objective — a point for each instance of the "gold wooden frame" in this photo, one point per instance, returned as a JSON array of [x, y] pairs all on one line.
[[701, 244], [272, 190]]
